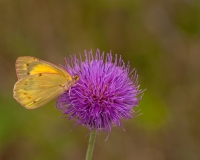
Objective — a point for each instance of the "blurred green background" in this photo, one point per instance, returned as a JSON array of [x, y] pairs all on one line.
[[161, 39]]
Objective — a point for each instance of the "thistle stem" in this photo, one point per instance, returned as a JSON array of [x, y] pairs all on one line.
[[90, 148]]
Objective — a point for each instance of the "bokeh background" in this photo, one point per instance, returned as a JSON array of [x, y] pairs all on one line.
[[161, 39]]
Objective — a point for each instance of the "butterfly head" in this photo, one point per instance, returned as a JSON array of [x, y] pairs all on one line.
[[69, 85], [75, 78]]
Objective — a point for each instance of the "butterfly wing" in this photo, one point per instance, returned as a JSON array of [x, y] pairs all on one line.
[[27, 65], [36, 90]]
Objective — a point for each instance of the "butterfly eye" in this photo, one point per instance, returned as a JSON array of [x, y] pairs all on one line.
[[76, 78]]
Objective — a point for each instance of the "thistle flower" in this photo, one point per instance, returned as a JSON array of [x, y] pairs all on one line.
[[106, 92]]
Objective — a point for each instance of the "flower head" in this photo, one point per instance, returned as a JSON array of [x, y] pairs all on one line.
[[105, 93]]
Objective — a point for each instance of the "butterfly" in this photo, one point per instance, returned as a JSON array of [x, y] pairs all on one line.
[[39, 81]]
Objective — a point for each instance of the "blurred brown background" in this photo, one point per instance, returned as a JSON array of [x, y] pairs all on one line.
[[160, 38]]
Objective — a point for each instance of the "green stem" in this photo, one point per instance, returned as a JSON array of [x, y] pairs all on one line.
[[91, 145]]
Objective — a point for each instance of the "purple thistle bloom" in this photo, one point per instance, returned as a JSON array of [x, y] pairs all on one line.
[[105, 93]]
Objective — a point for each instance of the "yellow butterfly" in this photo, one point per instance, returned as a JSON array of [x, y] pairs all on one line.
[[39, 82]]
